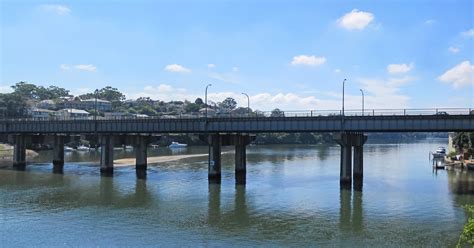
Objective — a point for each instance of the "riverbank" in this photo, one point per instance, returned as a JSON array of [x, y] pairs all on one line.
[[6, 152], [159, 159]]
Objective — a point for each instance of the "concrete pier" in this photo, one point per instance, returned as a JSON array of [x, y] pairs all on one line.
[[141, 152], [240, 159], [107, 154], [58, 154], [19, 152], [214, 166], [347, 141]]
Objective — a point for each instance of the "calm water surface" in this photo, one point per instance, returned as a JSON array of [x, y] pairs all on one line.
[[292, 198]]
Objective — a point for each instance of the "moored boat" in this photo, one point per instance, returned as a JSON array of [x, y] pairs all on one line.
[[68, 149], [82, 148], [440, 152], [177, 145]]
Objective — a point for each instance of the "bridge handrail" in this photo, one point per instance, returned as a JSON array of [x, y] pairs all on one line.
[[270, 114]]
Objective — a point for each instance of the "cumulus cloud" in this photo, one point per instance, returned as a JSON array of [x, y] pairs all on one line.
[[310, 60], [5, 89], [56, 9], [460, 75], [385, 93], [400, 68], [453, 49], [355, 20], [64, 67], [177, 68], [468, 33], [88, 67]]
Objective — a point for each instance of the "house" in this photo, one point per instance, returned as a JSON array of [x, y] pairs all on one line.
[[42, 114], [73, 113], [46, 104], [88, 104]]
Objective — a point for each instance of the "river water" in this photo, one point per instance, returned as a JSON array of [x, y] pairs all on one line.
[[292, 198]]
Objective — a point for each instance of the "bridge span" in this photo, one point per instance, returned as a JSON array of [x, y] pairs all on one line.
[[233, 130]]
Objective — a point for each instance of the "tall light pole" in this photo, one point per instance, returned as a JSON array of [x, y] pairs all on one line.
[[361, 91], [342, 114], [248, 103], [206, 97], [96, 92]]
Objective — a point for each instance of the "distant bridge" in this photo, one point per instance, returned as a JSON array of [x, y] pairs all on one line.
[[236, 130]]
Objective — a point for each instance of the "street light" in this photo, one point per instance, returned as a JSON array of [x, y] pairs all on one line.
[[206, 97], [361, 91], [96, 92], [248, 103], [342, 114]]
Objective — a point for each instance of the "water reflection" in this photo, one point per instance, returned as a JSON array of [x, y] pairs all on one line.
[[351, 211]]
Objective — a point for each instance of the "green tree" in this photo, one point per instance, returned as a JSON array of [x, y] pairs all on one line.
[[277, 113], [228, 104], [191, 108], [199, 101], [25, 90], [13, 105]]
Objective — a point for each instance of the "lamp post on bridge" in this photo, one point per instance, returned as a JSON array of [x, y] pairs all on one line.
[[361, 91], [205, 97], [342, 114], [96, 92], [248, 103]]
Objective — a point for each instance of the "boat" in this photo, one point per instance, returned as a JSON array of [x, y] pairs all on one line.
[[177, 145], [128, 147], [440, 152], [68, 149], [439, 164], [82, 148]]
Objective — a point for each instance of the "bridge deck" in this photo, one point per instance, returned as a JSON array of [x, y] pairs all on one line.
[[395, 123]]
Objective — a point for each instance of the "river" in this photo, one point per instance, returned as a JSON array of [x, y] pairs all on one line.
[[292, 198]]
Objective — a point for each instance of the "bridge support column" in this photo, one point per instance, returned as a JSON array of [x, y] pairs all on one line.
[[58, 154], [347, 141], [240, 159], [106, 154], [19, 152], [214, 168], [141, 156]]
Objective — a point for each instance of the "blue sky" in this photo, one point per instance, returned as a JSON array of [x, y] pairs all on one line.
[[287, 54]]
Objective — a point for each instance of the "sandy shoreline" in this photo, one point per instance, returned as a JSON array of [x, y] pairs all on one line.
[[159, 159]]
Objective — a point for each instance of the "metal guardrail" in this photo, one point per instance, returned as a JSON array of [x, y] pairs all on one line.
[[270, 114]]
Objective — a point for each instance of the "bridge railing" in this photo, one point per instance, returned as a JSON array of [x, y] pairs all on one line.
[[270, 114]]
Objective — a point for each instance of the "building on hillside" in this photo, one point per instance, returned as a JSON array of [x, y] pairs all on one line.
[[73, 113], [88, 104], [42, 114], [46, 104]]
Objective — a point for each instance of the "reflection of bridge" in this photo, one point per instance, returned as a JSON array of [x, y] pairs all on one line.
[[237, 131]]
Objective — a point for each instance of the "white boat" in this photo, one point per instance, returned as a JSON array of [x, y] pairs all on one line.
[[440, 152], [128, 147], [82, 148], [177, 145], [68, 149]]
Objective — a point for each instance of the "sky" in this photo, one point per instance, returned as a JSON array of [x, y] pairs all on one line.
[[292, 55]]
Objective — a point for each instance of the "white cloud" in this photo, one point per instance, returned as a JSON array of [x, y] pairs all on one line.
[[337, 70], [88, 67], [430, 22], [468, 33], [454, 49], [211, 66], [355, 20], [460, 75], [384, 93], [400, 68], [235, 69], [310, 60], [5, 89], [56, 9], [177, 68], [64, 67]]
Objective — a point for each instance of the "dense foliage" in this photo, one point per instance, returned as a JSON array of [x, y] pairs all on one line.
[[467, 236]]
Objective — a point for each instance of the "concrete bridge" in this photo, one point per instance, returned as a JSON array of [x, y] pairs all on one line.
[[238, 131]]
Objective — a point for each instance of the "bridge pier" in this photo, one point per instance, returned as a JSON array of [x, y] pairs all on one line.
[[106, 154], [19, 152], [347, 141], [214, 165], [141, 145], [58, 154], [241, 142]]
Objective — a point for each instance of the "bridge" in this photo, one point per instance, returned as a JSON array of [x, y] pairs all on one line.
[[233, 129]]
